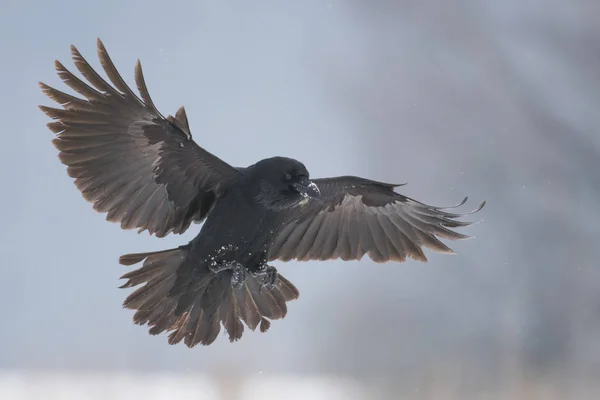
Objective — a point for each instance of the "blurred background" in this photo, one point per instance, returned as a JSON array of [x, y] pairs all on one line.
[[497, 100]]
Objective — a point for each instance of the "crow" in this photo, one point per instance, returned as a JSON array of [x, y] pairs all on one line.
[[145, 171]]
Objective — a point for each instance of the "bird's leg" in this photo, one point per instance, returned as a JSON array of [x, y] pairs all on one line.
[[238, 278], [270, 278], [268, 274], [238, 272], [217, 267]]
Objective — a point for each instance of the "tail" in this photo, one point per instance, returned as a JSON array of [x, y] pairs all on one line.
[[192, 302]]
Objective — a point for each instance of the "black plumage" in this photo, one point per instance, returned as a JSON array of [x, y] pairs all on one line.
[[145, 171]]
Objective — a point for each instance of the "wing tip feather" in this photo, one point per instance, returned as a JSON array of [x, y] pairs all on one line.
[[75, 52], [99, 44], [57, 128], [59, 66]]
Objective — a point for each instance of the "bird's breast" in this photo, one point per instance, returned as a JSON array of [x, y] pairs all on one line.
[[236, 230]]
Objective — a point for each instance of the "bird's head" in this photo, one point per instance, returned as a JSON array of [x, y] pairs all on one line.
[[284, 183]]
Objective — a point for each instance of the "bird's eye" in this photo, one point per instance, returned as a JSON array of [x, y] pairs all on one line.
[[288, 177]]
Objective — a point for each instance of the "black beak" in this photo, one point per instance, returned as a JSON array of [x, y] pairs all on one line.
[[307, 188]]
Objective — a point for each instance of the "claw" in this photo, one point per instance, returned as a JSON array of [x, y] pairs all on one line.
[[270, 278]]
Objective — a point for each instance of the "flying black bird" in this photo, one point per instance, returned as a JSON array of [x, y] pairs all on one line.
[[146, 172]]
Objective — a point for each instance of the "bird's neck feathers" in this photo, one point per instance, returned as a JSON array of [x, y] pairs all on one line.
[[274, 199]]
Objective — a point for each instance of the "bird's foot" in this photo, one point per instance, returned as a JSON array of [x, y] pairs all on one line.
[[238, 272], [268, 274], [270, 278]]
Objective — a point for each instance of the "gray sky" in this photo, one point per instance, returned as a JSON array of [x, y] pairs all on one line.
[[495, 100]]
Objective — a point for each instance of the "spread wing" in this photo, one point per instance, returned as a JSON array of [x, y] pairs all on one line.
[[142, 169], [357, 216]]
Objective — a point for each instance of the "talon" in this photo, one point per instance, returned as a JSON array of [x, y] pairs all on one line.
[[270, 278]]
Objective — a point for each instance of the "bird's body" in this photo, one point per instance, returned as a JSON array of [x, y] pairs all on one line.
[[239, 225], [146, 172], [240, 228]]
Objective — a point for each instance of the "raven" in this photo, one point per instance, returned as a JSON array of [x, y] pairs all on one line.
[[145, 171]]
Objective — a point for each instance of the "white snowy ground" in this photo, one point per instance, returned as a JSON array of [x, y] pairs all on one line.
[[16, 385], [130, 386]]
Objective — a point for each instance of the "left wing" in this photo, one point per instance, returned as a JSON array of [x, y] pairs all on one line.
[[140, 168], [357, 216]]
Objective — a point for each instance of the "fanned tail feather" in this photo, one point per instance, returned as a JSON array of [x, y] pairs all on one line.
[[192, 303]]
